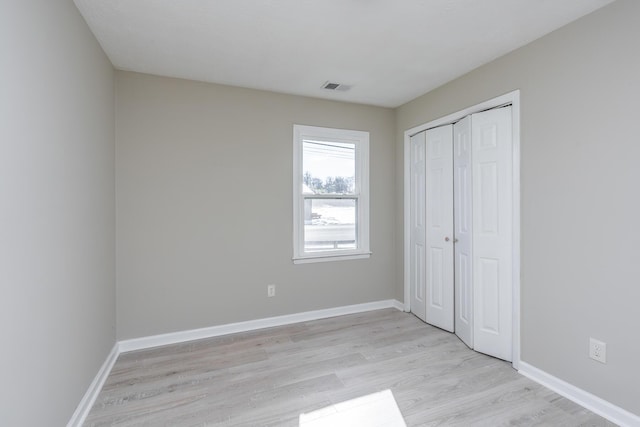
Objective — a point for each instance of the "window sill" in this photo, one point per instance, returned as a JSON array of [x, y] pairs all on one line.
[[326, 258]]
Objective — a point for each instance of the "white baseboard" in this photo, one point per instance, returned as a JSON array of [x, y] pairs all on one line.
[[251, 325], [583, 398], [81, 412]]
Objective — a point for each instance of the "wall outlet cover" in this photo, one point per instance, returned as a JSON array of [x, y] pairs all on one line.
[[597, 350]]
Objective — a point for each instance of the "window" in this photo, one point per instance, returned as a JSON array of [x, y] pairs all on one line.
[[330, 194]]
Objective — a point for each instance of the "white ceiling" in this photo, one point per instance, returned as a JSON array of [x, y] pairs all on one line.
[[389, 51]]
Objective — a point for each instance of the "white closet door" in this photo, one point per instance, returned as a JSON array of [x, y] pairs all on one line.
[[463, 219], [417, 227], [492, 232], [439, 227]]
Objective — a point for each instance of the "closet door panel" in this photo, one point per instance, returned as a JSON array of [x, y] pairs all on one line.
[[417, 226], [439, 227], [492, 232], [463, 219]]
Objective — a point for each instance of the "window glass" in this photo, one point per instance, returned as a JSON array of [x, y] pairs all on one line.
[[329, 224], [328, 167]]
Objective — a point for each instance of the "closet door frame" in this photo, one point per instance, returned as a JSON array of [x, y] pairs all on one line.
[[513, 99]]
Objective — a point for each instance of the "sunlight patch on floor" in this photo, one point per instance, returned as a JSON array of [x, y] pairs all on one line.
[[373, 410]]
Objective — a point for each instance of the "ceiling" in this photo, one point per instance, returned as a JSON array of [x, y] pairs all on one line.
[[388, 51]]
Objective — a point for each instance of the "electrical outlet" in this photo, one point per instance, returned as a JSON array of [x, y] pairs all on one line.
[[271, 291], [597, 350]]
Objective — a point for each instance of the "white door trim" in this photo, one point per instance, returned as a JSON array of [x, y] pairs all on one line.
[[512, 98]]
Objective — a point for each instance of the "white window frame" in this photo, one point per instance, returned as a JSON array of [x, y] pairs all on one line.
[[361, 193]]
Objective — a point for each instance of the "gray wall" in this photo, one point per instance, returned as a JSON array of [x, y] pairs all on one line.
[[580, 88], [204, 206], [57, 222]]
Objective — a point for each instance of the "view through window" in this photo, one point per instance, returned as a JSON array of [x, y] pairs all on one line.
[[329, 170]]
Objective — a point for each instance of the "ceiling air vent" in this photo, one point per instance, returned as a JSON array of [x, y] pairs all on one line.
[[336, 86]]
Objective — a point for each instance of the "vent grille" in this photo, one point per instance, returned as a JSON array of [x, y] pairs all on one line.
[[331, 86], [335, 86]]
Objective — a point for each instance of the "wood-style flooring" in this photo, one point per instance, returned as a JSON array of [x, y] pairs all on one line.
[[268, 377]]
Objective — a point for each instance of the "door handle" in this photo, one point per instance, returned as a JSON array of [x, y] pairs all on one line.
[[446, 239]]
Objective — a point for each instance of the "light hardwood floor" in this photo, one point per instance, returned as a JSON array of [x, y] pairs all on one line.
[[269, 377]]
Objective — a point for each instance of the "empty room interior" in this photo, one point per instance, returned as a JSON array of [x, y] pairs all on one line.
[[319, 213]]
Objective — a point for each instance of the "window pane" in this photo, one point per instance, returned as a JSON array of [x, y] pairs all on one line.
[[329, 224], [328, 167]]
